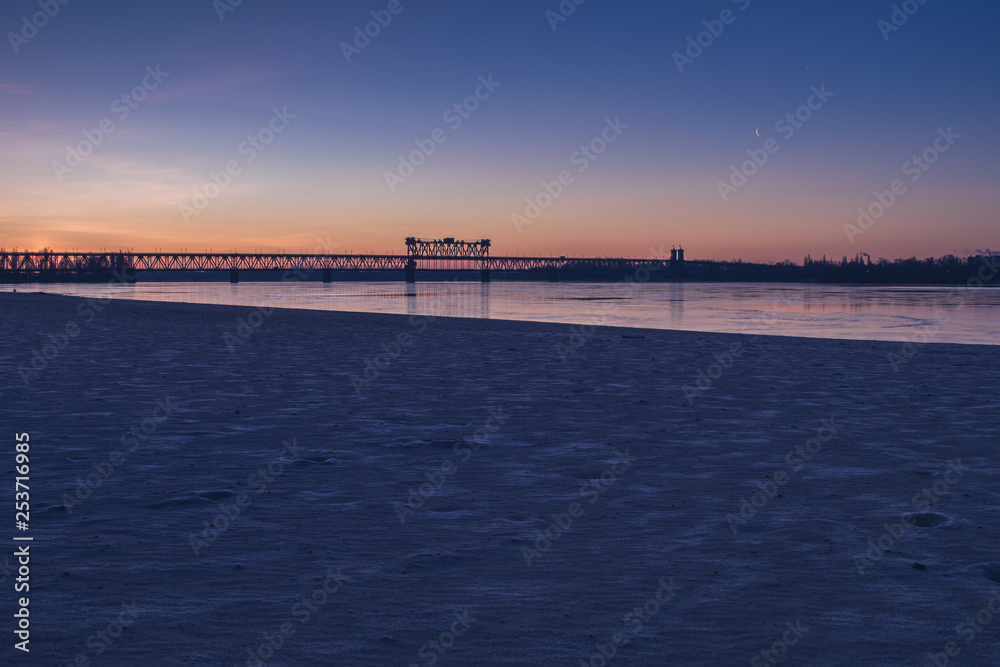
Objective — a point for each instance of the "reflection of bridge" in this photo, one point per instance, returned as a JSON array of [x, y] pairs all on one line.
[[441, 255]]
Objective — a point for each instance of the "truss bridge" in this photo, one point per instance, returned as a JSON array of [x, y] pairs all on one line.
[[445, 254]]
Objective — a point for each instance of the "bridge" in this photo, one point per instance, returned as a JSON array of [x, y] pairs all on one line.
[[440, 255]]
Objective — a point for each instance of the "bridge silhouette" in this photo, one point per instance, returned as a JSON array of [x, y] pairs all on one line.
[[422, 254]]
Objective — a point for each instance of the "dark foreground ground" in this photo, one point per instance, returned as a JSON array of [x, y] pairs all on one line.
[[235, 471]]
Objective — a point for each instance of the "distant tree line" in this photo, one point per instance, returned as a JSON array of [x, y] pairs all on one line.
[[947, 270]]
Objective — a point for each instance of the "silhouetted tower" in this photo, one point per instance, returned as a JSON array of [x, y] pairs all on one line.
[[449, 248]]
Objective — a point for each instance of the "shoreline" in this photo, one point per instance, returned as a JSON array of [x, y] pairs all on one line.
[[757, 326]]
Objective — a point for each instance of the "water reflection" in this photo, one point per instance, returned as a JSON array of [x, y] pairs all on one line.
[[484, 300], [830, 311], [676, 304]]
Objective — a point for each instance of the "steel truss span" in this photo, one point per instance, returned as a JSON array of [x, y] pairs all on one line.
[[36, 262], [421, 254]]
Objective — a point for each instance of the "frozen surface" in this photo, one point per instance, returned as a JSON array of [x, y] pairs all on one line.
[[564, 422], [855, 312]]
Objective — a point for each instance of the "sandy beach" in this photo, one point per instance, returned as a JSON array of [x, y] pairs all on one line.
[[217, 485]]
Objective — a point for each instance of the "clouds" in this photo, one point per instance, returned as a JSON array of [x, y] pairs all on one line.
[[12, 88]]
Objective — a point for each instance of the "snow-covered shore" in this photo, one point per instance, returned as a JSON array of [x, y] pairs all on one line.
[[362, 489]]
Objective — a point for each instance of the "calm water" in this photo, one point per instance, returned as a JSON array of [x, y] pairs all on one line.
[[931, 314]]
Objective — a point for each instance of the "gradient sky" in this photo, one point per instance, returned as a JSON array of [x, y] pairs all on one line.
[[321, 183]]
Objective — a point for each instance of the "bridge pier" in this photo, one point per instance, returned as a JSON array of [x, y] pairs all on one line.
[[327, 276], [122, 270], [484, 276], [234, 277], [411, 272], [553, 275]]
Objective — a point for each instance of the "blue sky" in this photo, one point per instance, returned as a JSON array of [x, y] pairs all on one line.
[[324, 175]]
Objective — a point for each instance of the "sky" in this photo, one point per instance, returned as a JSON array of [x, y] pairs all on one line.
[[581, 130]]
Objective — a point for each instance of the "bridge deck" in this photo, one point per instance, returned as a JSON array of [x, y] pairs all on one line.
[[37, 262]]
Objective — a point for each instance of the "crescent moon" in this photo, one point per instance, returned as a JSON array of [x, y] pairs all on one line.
[[758, 131]]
